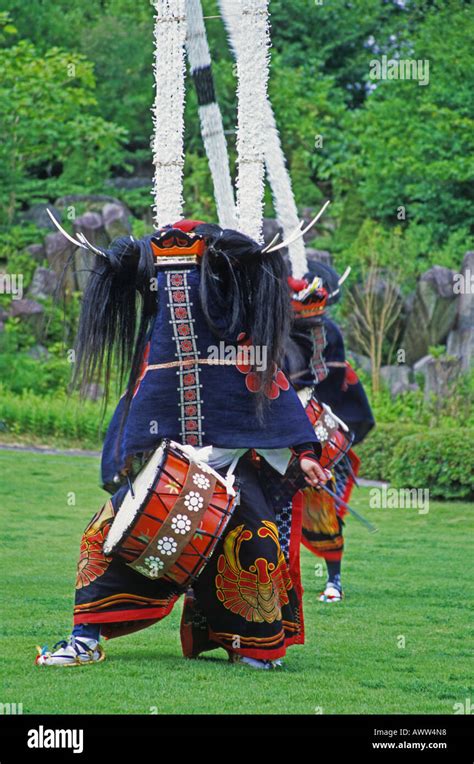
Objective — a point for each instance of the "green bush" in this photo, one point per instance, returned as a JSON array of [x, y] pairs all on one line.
[[21, 372], [377, 450], [409, 456], [441, 460]]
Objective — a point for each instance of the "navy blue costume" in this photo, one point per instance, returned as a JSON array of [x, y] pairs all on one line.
[[197, 403]]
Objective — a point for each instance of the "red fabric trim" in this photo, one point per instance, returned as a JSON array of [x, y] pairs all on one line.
[[330, 556], [333, 556], [116, 616], [251, 652], [295, 543], [120, 615]]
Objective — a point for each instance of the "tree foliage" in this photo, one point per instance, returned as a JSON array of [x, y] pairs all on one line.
[[372, 147], [51, 139]]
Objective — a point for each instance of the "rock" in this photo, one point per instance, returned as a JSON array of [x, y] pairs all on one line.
[[36, 252], [116, 220], [25, 308], [93, 392], [73, 204], [31, 312], [397, 378], [320, 255], [401, 387], [420, 367], [58, 251], [440, 375], [464, 339], [44, 284], [37, 214], [441, 279], [432, 315], [39, 352], [91, 224]]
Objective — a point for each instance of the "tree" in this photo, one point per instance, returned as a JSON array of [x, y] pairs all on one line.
[[412, 155], [51, 140]]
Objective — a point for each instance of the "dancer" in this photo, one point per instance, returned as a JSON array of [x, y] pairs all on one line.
[[199, 285], [317, 367]]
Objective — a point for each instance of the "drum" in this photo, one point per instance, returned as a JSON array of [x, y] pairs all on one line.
[[333, 434], [172, 517]]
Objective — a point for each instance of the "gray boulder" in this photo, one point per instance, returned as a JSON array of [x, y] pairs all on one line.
[[36, 252], [396, 378], [37, 214], [58, 251], [72, 203], [44, 283], [31, 312], [270, 229], [402, 387], [420, 367], [432, 315], [91, 224], [462, 343], [319, 255], [116, 220]]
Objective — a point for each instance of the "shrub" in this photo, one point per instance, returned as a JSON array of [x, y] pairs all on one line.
[[435, 461], [58, 416], [377, 450]]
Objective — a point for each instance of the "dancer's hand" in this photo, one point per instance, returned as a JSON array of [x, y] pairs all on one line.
[[315, 475]]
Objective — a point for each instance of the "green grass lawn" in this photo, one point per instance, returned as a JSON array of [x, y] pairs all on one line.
[[407, 583]]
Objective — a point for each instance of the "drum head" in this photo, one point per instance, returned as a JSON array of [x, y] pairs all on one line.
[[131, 505]]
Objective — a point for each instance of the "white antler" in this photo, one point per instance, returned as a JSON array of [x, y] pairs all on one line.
[[298, 233], [81, 240], [344, 275], [272, 242], [340, 282]]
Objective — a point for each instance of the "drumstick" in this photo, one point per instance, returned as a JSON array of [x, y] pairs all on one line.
[[370, 527]]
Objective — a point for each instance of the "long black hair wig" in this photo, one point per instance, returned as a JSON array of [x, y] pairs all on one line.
[[245, 289], [118, 307]]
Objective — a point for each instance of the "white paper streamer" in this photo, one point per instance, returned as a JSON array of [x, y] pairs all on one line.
[[278, 175], [252, 75], [168, 110]]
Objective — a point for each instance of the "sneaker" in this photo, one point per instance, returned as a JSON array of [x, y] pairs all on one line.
[[331, 594], [74, 651], [265, 665]]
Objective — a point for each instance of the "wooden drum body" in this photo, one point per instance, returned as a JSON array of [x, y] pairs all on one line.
[[170, 524]]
